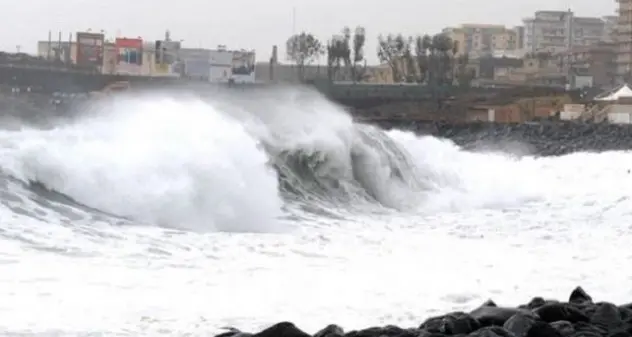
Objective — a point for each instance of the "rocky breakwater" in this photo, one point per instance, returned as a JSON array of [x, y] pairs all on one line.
[[579, 317], [542, 138]]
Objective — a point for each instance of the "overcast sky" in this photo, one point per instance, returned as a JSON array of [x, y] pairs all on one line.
[[258, 24]]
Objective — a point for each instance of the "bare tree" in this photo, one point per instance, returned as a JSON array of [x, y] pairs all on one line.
[[303, 49], [359, 39], [422, 46], [391, 50], [337, 53]]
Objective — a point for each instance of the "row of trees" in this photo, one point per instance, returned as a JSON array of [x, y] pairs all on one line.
[[420, 59], [342, 50]]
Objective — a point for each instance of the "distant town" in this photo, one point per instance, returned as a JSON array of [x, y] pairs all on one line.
[[549, 68]]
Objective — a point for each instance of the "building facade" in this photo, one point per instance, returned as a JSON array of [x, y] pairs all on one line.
[[624, 40], [610, 28], [557, 31], [597, 61], [482, 39]]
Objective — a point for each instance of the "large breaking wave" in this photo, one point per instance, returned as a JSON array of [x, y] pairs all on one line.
[[222, 164]]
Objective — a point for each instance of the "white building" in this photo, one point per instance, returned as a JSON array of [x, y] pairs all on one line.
[[557, 31], [218, 65]]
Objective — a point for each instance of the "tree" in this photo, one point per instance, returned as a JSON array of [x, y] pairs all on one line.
[[464, 75], [337, 53], [342, 50], [359, 39], [303, 49], [391, 50], [441, 55], [422, 45]]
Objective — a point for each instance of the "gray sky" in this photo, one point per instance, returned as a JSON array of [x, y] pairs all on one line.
[[258, 24]]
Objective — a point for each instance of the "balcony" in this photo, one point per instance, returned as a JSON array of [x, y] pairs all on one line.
[[623, 30]]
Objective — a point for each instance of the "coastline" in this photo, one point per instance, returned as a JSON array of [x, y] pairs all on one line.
[[544, 138], [579, 316]]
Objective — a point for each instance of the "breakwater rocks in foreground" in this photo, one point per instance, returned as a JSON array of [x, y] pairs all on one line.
[[543, 138], [579, 317]]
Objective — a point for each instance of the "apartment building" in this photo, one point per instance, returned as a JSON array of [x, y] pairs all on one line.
[[557, 31], [624, 40], [610, 28], [482, 39]]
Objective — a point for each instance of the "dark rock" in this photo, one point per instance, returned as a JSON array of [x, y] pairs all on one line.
[[579, 296], [583, 328], [541, 329], [234, 332], [544, 138], [519, 324], [491, 331], [487, 315], [489, 303], [332, 330], [565, 328], [451, 324], [283, 329], [425, 333], [387, 331], [560, 312], [579, 317], [607, 315], [620, 334], [535, 303]]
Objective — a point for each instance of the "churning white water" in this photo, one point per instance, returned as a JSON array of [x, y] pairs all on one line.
[[168, 217]]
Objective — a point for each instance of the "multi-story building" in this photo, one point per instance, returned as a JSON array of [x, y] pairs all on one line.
[[610, 28], [557, 31], [482, 39], [519, 37], [597, 62], [624, 40]]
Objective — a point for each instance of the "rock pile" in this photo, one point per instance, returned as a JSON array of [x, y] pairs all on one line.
[[579, 317], [545, 138]]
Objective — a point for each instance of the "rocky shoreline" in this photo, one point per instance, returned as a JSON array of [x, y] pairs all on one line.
[[541, 138], [580, 316]]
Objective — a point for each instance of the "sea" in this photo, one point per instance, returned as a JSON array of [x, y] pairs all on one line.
[[173, 215]]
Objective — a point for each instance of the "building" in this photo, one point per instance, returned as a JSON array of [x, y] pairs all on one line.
[[595, 63], [610, 28], [519, 37], [536, 71], [557, 31], [624, 40], [218, 65], [482, 39]]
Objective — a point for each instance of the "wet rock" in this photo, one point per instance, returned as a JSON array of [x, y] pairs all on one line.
[[541, 329], [487, 315], [579, 296], [564, 328], [583, 329], [607, 315], [451, 324], [491, 331], [538, 138], [387, 331], [560, 312], [579, 317], [283, 329], [520, 324], [536, 302], [233, 332], [332, 330]]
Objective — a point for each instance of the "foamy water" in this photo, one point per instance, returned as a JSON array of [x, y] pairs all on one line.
[[169, 186]]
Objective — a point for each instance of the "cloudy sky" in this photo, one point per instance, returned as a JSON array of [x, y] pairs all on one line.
[[259, 24]]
